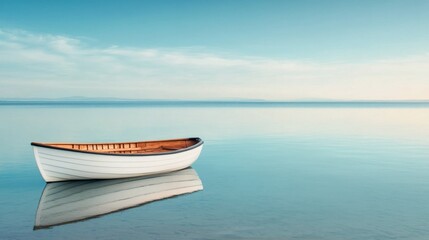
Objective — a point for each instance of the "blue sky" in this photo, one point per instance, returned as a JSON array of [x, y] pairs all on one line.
[[215, 49]]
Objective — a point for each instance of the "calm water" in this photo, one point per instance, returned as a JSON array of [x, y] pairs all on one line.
[[280, 172]]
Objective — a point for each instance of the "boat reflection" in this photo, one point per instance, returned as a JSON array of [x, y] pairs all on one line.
[[67, 202]]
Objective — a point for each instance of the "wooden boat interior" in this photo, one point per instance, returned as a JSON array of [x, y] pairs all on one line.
[[128, 147]]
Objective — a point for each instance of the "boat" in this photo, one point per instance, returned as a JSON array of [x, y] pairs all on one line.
[[74, 201], [84, 161]]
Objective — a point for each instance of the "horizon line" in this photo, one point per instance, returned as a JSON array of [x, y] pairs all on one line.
[[163, 102], [229, 99]]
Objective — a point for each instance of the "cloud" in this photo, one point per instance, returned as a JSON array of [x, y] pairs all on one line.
[[46, 65]]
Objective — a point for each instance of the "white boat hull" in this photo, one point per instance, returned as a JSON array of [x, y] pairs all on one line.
[[66, 202], [62, 165]]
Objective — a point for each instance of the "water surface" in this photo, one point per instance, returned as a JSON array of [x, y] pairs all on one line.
[[269, 172]]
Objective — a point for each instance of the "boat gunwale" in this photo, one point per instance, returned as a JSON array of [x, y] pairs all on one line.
[[199, 143]]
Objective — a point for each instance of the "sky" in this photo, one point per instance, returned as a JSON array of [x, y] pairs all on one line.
[[272, 50]]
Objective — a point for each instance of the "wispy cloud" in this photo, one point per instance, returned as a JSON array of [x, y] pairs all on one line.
[[45, 65]]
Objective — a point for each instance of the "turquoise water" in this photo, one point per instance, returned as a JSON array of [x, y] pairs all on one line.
[[269, 172]]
